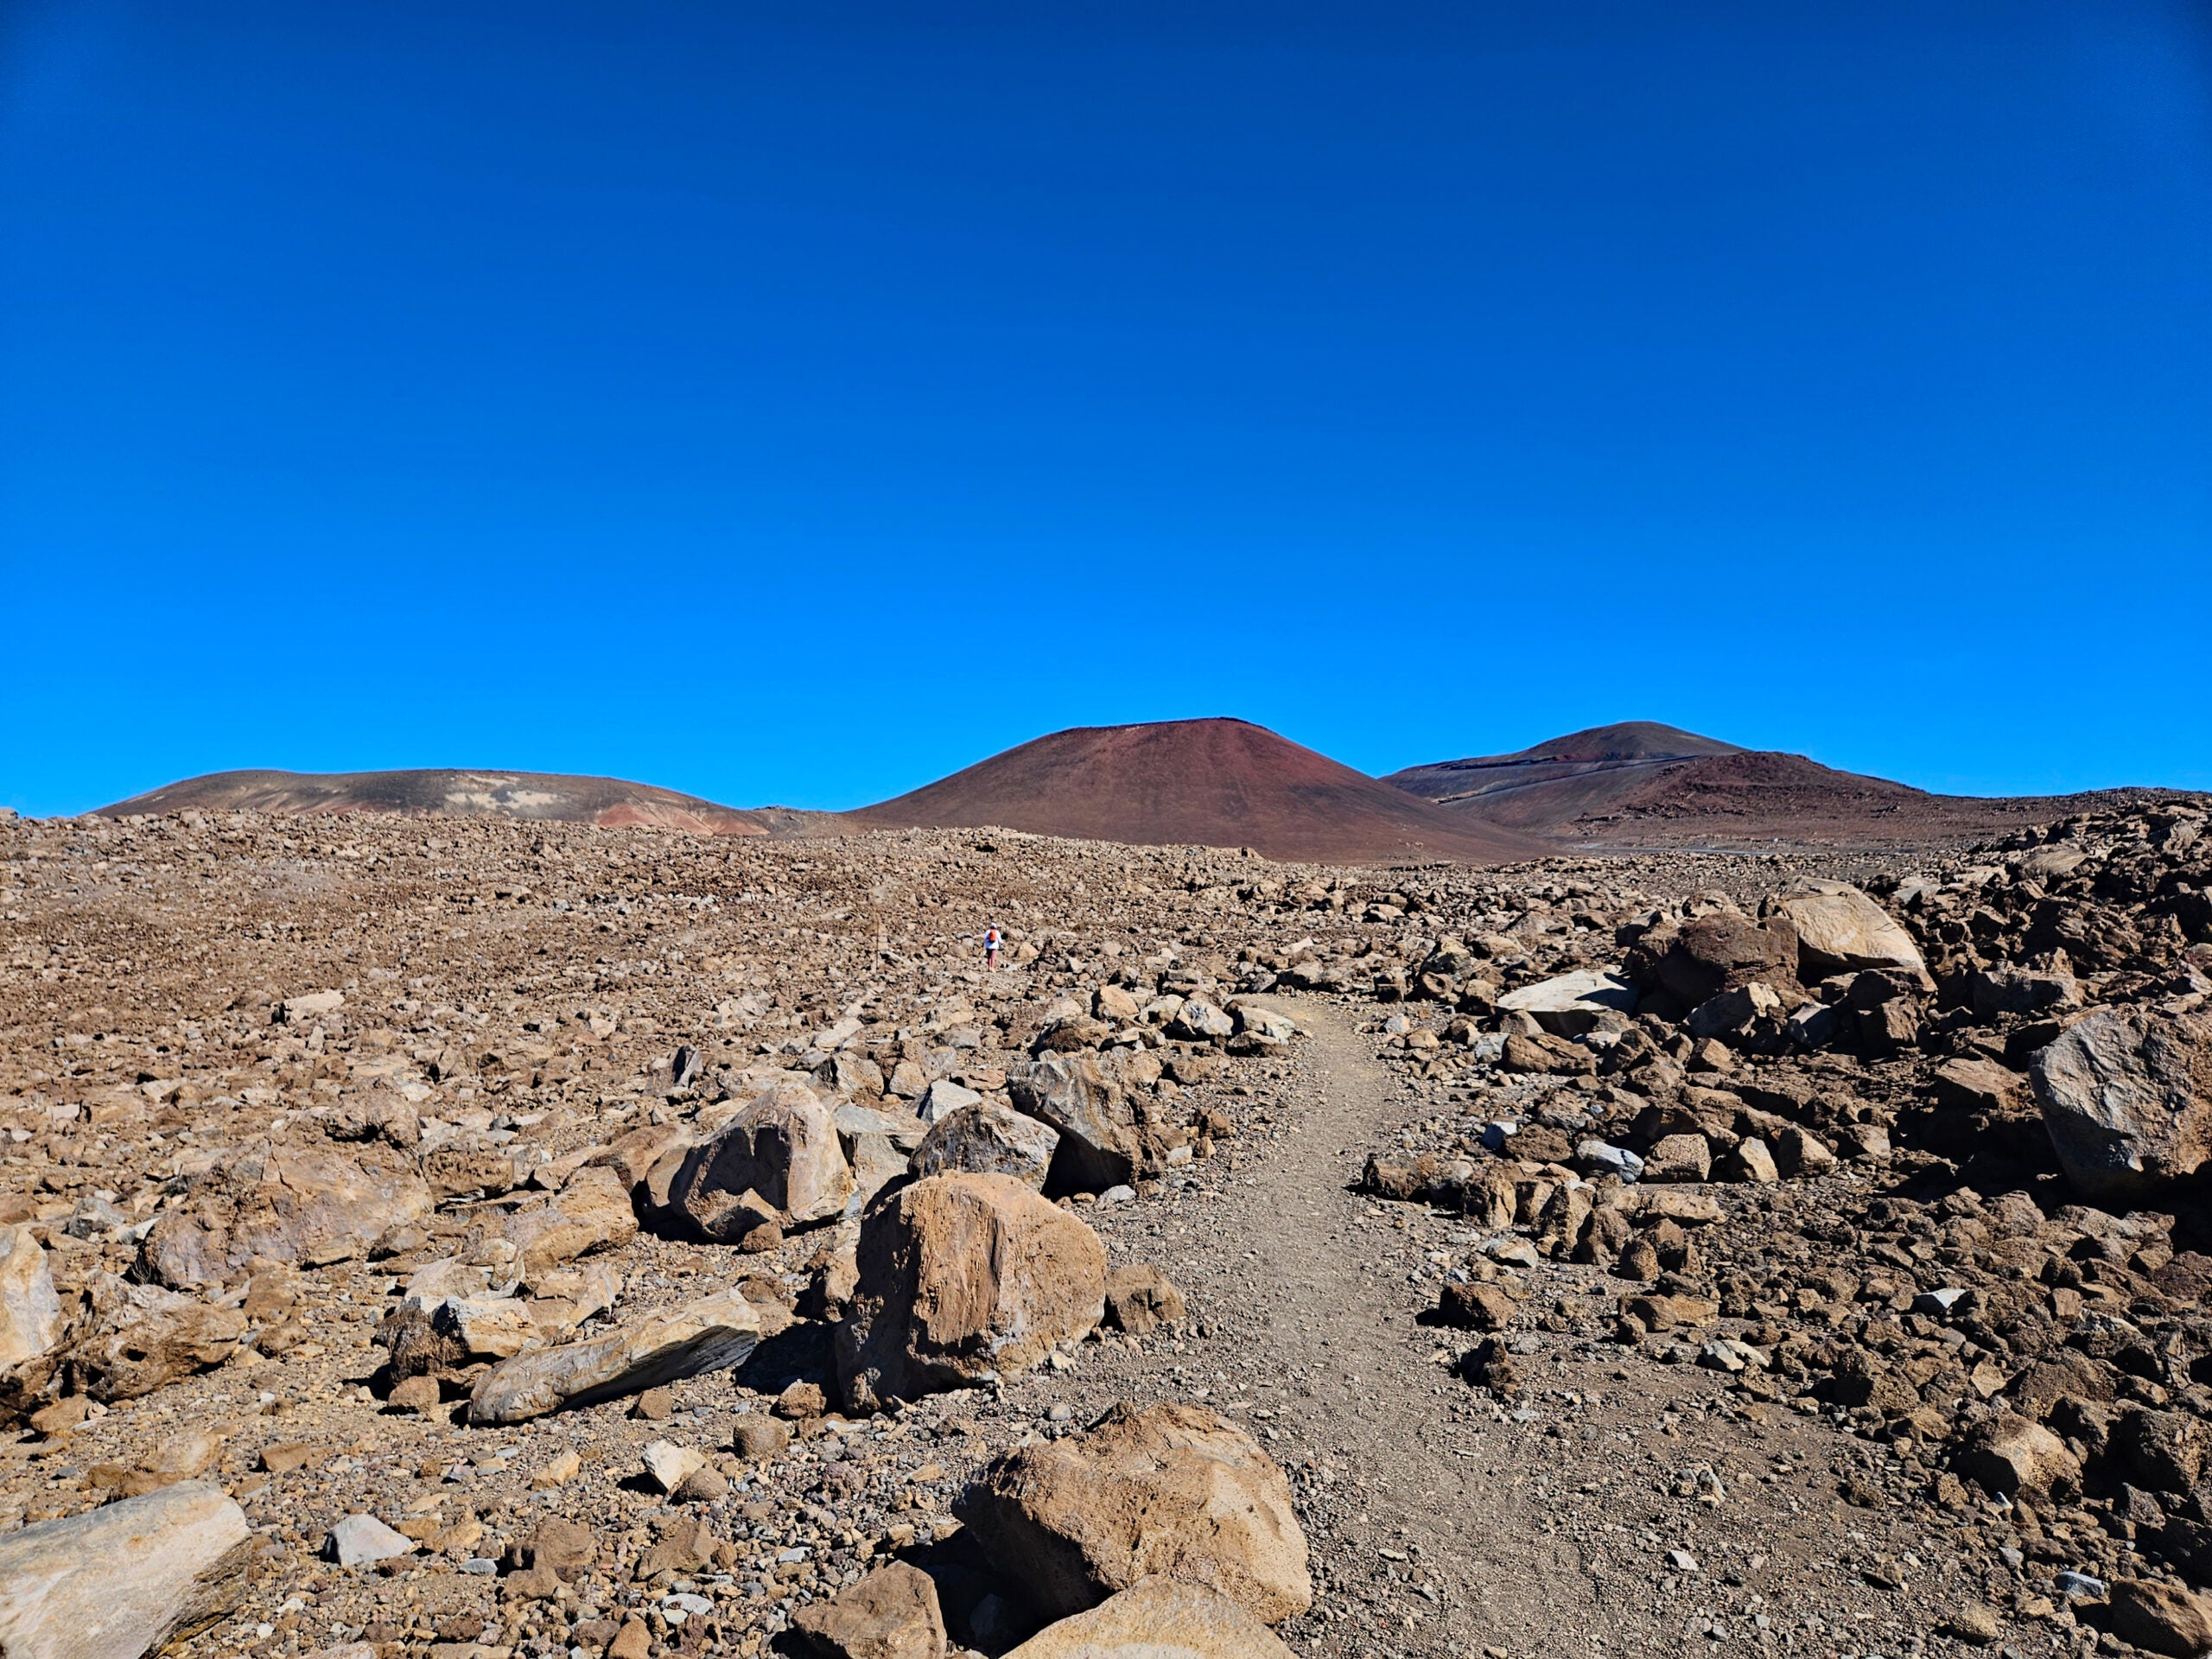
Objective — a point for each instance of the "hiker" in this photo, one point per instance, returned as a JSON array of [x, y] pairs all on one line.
[[991, 948]]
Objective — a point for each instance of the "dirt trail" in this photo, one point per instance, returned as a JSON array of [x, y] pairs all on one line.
[[1439, 1521], [1414, 1475]]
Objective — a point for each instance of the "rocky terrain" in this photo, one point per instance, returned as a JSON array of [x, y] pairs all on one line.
[[483, 1239]]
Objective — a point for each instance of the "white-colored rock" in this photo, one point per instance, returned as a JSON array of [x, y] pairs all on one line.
[[359, 1540], [294, 1009], [1841, 930], [1571, 1004], [117, 1582], [30, 1312], [670, 1464], [712, 1334], [941, 1099]]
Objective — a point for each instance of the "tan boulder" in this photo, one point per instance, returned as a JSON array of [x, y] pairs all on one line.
[[2127, 1094], [122, 1580], [2010, 1455], [892, 1613], [715, 1333], [1841, 930], [1158, 1619], [783, 1149], [1173, 1490], [307, 1204], [962, 1277], [1140, 1298], [142, 1338], [591, 1212], [2168, 1618], [30, 1310]]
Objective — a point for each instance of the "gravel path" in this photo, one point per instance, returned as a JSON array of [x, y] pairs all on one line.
[[1441, 1522]]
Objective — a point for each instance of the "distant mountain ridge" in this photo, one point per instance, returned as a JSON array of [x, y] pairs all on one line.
[[1641, 783], [1223, 782], [551, 798]]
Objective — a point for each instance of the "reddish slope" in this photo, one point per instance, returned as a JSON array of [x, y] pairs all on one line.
[[1542, 787], [547, 796], [1218, 783], [1640, 784]]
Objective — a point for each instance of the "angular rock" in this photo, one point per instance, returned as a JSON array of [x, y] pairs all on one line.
[[1733, 1011], [1841, 930], [1708, 955], [144, 1337], [30, 1310], [1158, 1619], [1173, 1490], [591, 1212], [892, 1613], [1139, 1299], [713, 1334], [117, 1582], [1682, 1157], [670, 1466], [309, 1205], [1475, 1307], [1199, 1021], [2010, 1455], [2167, 1618], [784, 1149], [2004, 988], [879, 1146], [988, 1138], [941, 1099], [1098, 1146], [1573, 1005], [961, 1277], [2127, 1094], [362, 1540]]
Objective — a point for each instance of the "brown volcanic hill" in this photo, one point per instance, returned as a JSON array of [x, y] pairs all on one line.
[[553, 797], [1540, 788], [1216, 783], [1641, 784]]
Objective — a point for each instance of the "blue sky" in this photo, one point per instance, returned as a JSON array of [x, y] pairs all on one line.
[[797, 403]]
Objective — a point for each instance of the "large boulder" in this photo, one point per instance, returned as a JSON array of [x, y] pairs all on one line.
[[1099, 1146], [878, 1146], [988, 1138], [2161, 1617], [714, 1334], [1573, 1004], [1158, 1619], [1173, 1490], [591, 1212], [30, 1312], [2127, 1094], [1841, 930], [142, 1338], [892, 1613], [1676, 967], [306, 1205], [962, 1278], [783, 1148], [127, 1580]]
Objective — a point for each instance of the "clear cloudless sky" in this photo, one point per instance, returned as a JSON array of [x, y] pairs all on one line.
[[796, 404]]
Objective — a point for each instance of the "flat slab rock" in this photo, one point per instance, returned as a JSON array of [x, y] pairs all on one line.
[[1158, 1619], [117, 1582], [713, 1334]]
